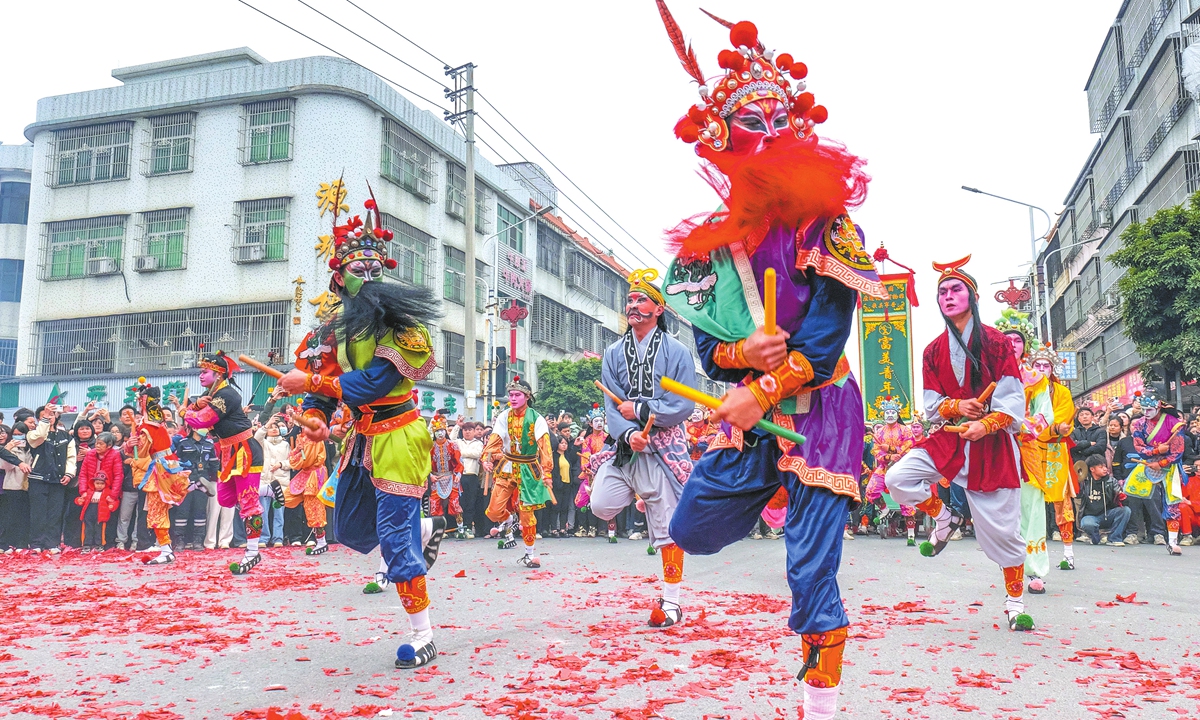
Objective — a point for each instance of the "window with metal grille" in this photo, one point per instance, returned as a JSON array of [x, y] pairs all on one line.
[[8, 361], [155, 341], [588, 277], [164, 240], [410, 249], [512, 231], [82, 248], [583, 332], [552, 323], [95, 153], [613, 289], [14, 203], [262, 230], [1179, 179], [485, 208], [268, 130], [12, 273], [456, 190], [169, 144], [452, 352], [604, 338], [454, 282], [550, 250], [408, 161]]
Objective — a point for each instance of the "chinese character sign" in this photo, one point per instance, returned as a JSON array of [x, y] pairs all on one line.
[[885, 342]]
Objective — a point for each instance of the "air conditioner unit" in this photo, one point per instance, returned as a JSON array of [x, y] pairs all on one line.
[[249, 253], [182, 360], [102, 266], [145, 263], [1106, 218], [1112, 300]]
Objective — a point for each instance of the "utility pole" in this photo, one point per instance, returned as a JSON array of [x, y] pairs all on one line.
[[463, 96]]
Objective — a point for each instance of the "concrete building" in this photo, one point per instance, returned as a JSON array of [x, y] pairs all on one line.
[[180, 208], [1146, 158], [16, 162]]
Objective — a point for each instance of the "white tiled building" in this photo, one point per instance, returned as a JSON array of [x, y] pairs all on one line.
[[15, 164], [179, 208]]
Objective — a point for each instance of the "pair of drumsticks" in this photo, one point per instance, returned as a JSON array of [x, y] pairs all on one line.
[[983, 399], [308, 422]]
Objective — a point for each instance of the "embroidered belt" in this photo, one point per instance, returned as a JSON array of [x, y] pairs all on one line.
[[520, 459], [235, 439], [375, 420]]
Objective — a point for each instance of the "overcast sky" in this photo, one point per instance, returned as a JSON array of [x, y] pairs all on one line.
[[935, 94]]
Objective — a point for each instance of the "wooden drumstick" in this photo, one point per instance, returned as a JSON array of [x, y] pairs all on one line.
[[769, 326], [987, 393], [611, 395], [649, 424], [308, 422]]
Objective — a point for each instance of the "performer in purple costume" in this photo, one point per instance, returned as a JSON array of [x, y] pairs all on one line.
[[785, 194]]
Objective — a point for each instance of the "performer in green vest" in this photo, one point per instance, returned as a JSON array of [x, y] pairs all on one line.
[[518, 454]]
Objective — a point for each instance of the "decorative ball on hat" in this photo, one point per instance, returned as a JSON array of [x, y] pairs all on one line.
[[890, 404]]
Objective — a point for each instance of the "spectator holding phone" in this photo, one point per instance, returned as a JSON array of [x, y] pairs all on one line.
[[52, 469], [14, 500]]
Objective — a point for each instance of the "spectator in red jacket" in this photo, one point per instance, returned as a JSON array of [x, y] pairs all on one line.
[[101, 462]]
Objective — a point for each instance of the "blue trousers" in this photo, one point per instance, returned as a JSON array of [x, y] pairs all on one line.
[[721, 503], [364, 517]]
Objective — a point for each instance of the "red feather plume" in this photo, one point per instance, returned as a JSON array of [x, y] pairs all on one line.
[[729, 26], [687, 56]]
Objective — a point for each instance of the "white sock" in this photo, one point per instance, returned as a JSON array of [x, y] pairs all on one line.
[[671, 592], [912, 533], [612, 533], [1069, 551], [820, 703], [251, 547], [426, 530], [321, 541], [383, 568], [529, 550], [422, 630], [1173, 537], [164, 549], [1015, 604]]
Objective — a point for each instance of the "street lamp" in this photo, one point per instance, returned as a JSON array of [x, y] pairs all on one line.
[[1048, 335]]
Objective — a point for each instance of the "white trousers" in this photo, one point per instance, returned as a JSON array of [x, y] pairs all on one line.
[[996, 515], [613, 489], [219, 531]]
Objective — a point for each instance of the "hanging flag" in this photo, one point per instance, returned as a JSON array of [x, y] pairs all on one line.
[[885, 347]]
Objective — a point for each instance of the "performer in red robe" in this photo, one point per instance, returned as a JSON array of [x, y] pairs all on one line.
[[983, 456]]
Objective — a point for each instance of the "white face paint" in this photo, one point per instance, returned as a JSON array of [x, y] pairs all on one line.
[[1150, 411], [890, 417], [696, 415], [440, 434], [598, 423], [1043, 366]]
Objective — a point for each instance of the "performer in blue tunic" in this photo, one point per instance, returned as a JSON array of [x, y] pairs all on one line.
[[652, 467]]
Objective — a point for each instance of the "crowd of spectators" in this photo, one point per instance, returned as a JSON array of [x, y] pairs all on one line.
[[67, 482], [1105, 514]]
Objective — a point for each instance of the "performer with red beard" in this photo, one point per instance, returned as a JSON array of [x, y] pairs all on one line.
[[785, 195]]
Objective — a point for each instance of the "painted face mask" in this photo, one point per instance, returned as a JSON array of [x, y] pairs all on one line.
[[890, 417], [598, 424], [755, 125], [639, 308], [440, 435], [696, 416], [1018, 344], [1043, 366], [517, 399], [208, 377], [359, 272], [954, 297]]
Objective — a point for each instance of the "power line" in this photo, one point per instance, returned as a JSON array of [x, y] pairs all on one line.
[[565, 195], [518, 130], [399, 60], [341, 55], [565, 176], [397, 33]]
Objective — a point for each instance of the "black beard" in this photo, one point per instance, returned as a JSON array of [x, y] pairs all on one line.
[[382, 306]]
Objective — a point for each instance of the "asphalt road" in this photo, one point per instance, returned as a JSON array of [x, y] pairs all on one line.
[[100, 636]]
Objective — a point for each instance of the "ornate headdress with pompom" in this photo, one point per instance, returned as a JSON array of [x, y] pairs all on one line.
[[890, 404], [218, 362], [437, 423], [520, 386], [596, 412], [357, 240], [1013, 321], [752, 73], [1147, 397], [1044, 352]]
